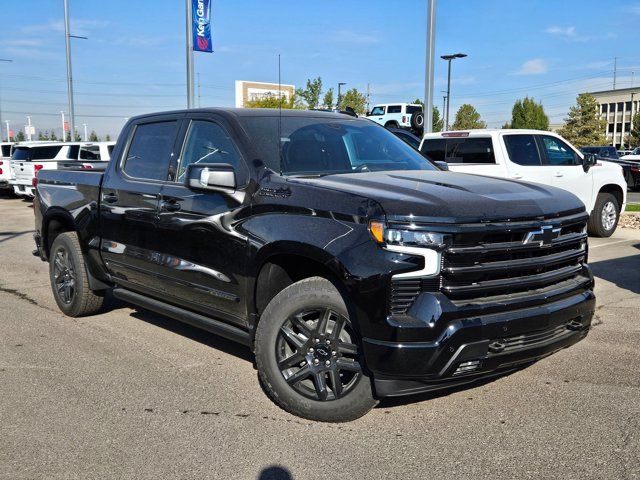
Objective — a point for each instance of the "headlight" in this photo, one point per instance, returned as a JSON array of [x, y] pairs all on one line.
[[410, 238]]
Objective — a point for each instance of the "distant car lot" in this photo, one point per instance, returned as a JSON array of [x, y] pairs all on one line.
[[130, 393]]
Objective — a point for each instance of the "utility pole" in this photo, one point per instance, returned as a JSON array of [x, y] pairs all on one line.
[[86, 137], [630, 119], [28, 129], [615, 71], [68, 37], [64, 134], [8, 130], [199, 104], [430, 66], [448, 58], [340, 84], [189, 54], [8, 61]]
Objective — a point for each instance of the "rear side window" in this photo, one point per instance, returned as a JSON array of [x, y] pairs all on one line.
[[6, 151], [522, 149], [91, 152], [394, 109], [411, 109], [150, 150], [377, 111], [460, 150], [35, 153]]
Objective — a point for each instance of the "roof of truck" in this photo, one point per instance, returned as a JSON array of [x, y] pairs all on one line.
[[252, 112], [487, 131]]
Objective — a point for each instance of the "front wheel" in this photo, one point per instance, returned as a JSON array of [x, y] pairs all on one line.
[[605, 216], [308, 357]]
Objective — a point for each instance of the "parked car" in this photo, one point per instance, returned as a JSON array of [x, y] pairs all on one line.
[[634, 155], [5, 170], [398, 115], [407, 137], [536, 156], [352, 267], [630, 165], [28, 158]]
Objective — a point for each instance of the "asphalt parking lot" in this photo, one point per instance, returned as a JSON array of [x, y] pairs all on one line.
[[130, 394]]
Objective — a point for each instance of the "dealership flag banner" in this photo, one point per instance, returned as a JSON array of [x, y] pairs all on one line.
[[201, 25]]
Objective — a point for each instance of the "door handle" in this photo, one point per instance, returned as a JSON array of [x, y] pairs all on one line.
[[110, 198], [558, 174], [170, 206], [517, 176]]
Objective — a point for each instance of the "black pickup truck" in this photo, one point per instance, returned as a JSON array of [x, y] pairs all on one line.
[[352, 266]]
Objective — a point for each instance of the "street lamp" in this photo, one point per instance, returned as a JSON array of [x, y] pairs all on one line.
[[448, 58], [86, 137], [8, 61], [340, 84], [68, 37]]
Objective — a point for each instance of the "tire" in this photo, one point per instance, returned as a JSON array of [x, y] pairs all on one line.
[[601, 222], [302, 319], [417, 121], [391, 125], [68, 277]]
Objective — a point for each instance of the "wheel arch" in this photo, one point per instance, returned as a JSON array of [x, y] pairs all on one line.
[[54, 222], [614, 190]]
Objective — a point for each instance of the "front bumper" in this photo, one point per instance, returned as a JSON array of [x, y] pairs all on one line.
[[478, 346]]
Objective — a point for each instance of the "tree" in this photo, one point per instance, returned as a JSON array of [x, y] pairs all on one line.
[[354, 99], [327, 100], [527, 113], [310, 96], [77, 137], [41, 136], [20, 136], [53, 136], [467, 118], [271, 101], [634, 137], [437, 122], [93, 136], [107, 138], [583, 126], [506, 125]]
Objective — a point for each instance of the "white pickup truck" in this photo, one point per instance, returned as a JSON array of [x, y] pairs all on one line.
[[539, 157], [5, 170], [30, 157]]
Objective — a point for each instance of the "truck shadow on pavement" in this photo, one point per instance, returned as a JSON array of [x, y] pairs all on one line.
[[624, 272], [6, 236]]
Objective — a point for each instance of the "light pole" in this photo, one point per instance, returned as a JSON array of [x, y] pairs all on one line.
[[189, 32], [448, 58], [64, 135], [68, 37], [86, 137], [28, 127], [8, 130], [430, 66], [8, 61], [340, 84]]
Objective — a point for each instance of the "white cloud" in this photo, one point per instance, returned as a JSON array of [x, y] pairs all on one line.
[[349, 36], [536, 66], [569, 32], [78, 27], [634, 9]]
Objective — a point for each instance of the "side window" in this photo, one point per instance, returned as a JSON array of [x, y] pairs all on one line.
[[207, 142], [90, 152], [434, 148], [394, 109], [470, 150], [150, 150], [377, 111], [522, 149], [558, 152]]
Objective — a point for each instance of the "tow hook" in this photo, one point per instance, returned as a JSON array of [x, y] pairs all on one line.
[[575, 325], [496, 347]]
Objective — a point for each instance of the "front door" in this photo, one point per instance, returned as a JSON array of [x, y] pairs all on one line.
[[566, 169], [204, 253], [130, 244], [525, 159]]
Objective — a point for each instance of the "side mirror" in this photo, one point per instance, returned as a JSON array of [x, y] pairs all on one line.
[[442, 165], [589, 160], [217, 177]]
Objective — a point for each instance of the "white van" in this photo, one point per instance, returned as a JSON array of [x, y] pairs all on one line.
[[30, 157], [540, 157]]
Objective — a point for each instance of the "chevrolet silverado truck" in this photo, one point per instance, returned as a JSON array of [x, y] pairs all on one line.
[[351, 266]]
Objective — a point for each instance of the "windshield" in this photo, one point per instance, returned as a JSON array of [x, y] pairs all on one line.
[[321, 146], [377, 111]]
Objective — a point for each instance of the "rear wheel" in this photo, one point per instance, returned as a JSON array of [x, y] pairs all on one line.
[[604, 218], [308, 357], [391, 125], [68, 277]]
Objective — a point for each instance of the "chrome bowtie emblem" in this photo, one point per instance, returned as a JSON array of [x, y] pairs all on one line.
[[545, 236]]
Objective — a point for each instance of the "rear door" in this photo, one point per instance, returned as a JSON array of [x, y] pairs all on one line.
[[131, 246], [565, 167], [524, 158], [204, 254]]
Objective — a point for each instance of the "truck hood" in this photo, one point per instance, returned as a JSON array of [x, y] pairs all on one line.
[[453, 197]]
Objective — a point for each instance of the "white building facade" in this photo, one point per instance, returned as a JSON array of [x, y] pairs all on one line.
[[617, 107]]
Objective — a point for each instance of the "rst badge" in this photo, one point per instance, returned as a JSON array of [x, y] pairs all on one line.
[[543, 237]]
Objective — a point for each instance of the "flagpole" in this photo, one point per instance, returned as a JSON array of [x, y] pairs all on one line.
[[189, 30]]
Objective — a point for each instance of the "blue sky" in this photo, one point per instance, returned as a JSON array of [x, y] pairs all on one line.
[[133, 61]]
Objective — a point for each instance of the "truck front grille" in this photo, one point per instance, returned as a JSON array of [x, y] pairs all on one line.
[[484, 262]]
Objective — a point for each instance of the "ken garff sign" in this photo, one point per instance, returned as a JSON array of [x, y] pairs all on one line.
[[201, 25]]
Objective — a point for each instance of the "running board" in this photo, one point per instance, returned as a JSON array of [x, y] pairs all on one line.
[[209, 324]]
